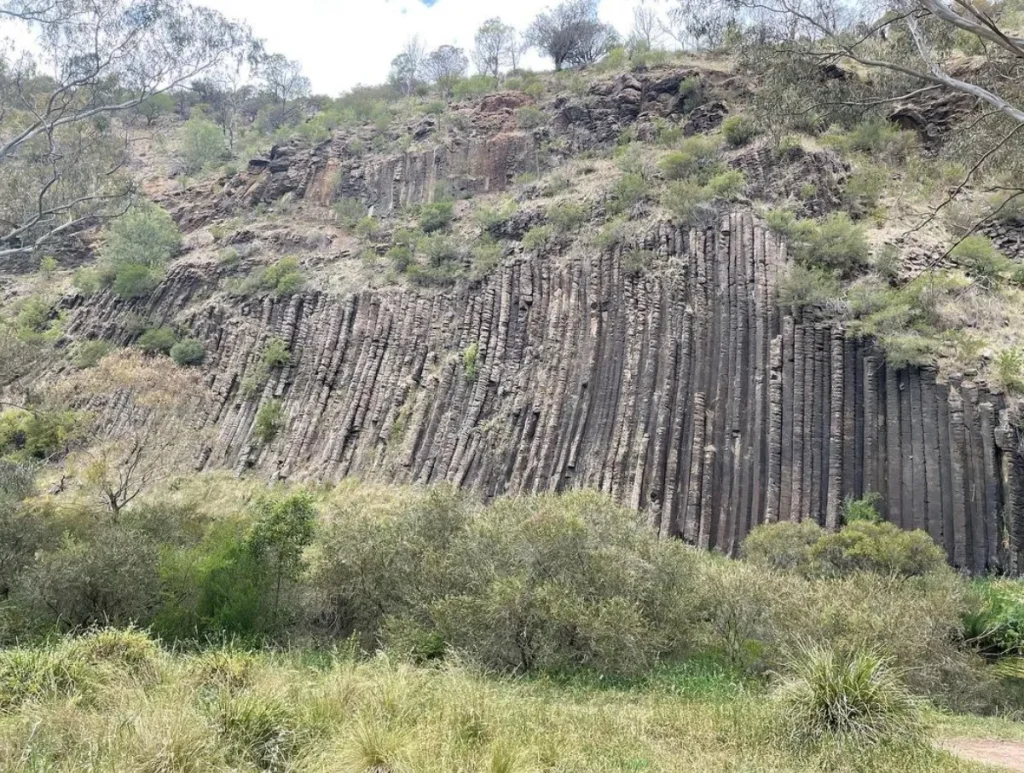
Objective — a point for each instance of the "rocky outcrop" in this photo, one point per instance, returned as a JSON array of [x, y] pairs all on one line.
[[683, 392]]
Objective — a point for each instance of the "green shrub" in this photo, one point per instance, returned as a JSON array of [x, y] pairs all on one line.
[[628, 190], [979, 256], [836, 244], [738, 130], [726, 185], [486, 255], [436, 216], [863, 509], [567, 216], [107, 577], [785, 545], [1009, 364], [269, 421], [86, 281], [89, 353], [129, 650], [994, 622], [158, 340], [188, 351], [349, 211], [275, 353], [133, 280], [38, 434], [493, 218], [469, 361], [549, 583], [285, 277], [691, 93], [137, 248], [537, 237], [689, 202], [862, 545], [881, 548], [530, 117], [863, 189], [400, 256], [696, 159], [837, 696], [202, 145]]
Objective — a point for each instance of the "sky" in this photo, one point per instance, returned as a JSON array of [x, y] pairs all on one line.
[[341, 43]]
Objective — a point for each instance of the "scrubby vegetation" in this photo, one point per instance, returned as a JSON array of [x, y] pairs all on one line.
[[447, 591]]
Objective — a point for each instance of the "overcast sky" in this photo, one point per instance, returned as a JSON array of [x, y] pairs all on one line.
[[344, 42]]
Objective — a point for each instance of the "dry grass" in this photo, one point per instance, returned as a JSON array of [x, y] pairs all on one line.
[[301, 711]]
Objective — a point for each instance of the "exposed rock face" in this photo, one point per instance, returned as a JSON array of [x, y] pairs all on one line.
[[683, 392]]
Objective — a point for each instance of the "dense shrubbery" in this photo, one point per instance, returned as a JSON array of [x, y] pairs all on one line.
[[861, 546], [137, 249]]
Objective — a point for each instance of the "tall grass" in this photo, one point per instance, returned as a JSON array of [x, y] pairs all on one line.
[[226, 710]]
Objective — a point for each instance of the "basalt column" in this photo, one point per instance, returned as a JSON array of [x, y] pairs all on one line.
[[682, 390]]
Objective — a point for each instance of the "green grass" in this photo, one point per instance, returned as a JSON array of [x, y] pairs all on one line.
[[311, 710]]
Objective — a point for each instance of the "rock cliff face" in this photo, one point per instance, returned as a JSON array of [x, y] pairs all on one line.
[[682, 391]]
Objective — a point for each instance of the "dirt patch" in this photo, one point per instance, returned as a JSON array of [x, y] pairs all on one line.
[[1003, 754]]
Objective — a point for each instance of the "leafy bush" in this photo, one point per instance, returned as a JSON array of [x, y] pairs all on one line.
[[726, 185], [863, 189], [738, 130], [89, 353], [980, 257], [188, 351], [133, 280], [567, 216], [136, 249], [691, 93], [860, 546], [275, 353], [285, 277], [882, 548], [349, 211], [38, 434], [109, 578], [537, 237], [837, 244], [1010, 369], [530, 117], [202, 145], [628, 190], [469, 361], [158, 340], [994, 623], [493, 218], [689, 202], [838, 696], [436, 216], [696, 158], [863, 509], [86, 281], [549, 583], [269, 421], [785, 545]]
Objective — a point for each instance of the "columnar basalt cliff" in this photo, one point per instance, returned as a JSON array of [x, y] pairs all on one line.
[[683, 391]]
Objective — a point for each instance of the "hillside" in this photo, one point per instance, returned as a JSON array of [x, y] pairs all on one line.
[[565, 324]]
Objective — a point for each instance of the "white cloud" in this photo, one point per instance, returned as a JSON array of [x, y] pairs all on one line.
[[344, 42]]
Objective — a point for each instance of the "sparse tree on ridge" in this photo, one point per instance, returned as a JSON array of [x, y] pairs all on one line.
[[444, 66], [60, 158], [283, 78], [406, 68], [647, 27], [572, 34], [497, 47]]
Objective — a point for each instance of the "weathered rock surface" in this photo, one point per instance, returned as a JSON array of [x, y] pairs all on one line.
[[683, 392]]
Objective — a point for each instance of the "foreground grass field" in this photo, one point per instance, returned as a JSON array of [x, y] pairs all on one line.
[[116, 702]]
